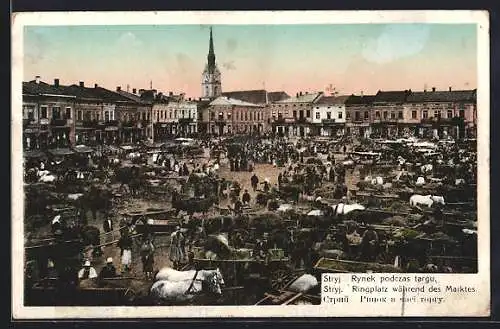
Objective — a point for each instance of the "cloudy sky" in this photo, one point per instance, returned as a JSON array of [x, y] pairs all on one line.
[[351, 58]]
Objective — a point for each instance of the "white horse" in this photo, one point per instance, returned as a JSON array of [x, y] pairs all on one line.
[[426, 200], [426, 168], [182, 288], [46, 176], [170, 274], [342, 208]]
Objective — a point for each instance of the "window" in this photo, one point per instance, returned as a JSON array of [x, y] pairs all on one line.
[[340, 115], [413, 114], [212, 115], [68, 113], [97, 116], [229, 116], [87, 116], [386, 114], [366, 115], [461, 113], [106, 116], [294, 113], [308, 113], [158, 116], [328, 115], [348, 115], [144, 116], [437, 114], [317, 108], [318, 115], [400, 115], [377, 115], [357, 116], [450, 114], [286, 112], [393, 115], [425, 115], [280, 115], [56, 112], [246, 116], [79, 115]]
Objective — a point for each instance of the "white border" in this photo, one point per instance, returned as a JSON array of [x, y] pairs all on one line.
[[477, 305]]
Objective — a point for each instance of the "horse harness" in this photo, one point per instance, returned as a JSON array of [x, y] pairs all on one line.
[[192, 282]]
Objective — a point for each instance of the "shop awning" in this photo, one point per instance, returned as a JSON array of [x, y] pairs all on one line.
[[61, 152], [127, 147]]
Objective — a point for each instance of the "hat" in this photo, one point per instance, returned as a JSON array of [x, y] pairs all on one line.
[[318, 198], [87, 263], [109, 260]]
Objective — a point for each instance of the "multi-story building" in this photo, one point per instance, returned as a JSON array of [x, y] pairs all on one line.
[[174, 116], [442, 113], [48, 112], [226, 116], [329, 116], [358, 115], [293, 116], [259, 97], [387, 113]]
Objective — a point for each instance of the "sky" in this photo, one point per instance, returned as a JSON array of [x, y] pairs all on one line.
[[352, 59]]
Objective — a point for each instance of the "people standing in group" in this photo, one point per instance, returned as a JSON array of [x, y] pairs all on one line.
[[147, 258], [87, 272]]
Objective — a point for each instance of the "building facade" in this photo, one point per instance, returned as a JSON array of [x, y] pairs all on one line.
[[173, 118], [211, 80], [227, 116], [329, 116], [293, 116]]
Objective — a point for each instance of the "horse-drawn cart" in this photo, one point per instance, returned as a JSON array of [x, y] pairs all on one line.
[[154, 220]]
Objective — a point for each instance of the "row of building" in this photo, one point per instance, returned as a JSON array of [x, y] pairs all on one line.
[[56, 116]]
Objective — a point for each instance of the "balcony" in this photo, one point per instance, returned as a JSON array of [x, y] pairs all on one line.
[[328, 121], [87, 123], [185, 120], [301, 120], [129, 124], [58, 122], [437, 120]]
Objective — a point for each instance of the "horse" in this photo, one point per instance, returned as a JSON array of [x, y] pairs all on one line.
[[427, 200], [343, 208], [170, 274], [187, 286], [426, 168]]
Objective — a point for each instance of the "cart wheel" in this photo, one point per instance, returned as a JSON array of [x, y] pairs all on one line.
[[279, 278]]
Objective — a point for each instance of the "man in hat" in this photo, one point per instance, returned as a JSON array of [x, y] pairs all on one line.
[[107, 225], [87, 272], [254, 180], [246, 197], [125, 244], [108, 271]]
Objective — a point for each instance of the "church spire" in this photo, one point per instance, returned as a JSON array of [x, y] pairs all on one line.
[[211, 53]]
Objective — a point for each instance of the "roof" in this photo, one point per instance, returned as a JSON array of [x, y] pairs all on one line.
[[275, 96], [391, 96], [304, 98], [443, 96], [223, 100], [257, 96], [360, 100], [132, 97], [333, 100], [43, 88]]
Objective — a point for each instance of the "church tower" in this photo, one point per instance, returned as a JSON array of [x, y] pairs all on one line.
[[211, 86]]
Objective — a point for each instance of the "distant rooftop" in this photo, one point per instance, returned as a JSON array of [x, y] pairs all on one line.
[[223, 100]]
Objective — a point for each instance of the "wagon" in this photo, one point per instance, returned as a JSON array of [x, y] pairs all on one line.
[[328, 265], [243, 269], [157, 220]]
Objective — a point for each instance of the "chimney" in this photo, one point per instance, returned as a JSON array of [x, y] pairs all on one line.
[[449, 89], [170, 94], [56, 82], [118, 88], [297, 95], [37, 79], [134, 91], [300, 94], [189, 99], [433, 89], [425, 90], [96, 85], [361, 93], [82, 84]]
